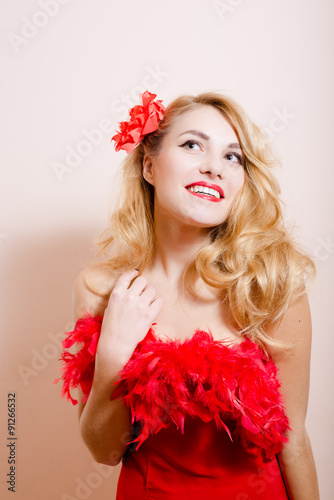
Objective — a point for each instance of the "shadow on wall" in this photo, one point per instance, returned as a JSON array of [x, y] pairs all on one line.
[[51, 460]]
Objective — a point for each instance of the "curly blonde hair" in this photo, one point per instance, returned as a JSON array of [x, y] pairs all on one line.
[[251, 260]]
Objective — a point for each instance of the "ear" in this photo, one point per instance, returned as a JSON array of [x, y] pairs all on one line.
[[148, 170]]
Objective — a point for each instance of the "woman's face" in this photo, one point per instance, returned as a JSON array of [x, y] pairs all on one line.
[[199, 170]]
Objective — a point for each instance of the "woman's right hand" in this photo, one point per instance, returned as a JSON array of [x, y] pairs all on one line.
[[130, 313]]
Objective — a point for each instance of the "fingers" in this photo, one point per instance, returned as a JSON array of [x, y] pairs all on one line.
[[135, 289], [131, 309], [156, 306], [148, 294], [125, 279], [138, 286]]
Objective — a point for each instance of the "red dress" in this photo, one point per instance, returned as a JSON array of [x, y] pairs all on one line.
[[207, 416]]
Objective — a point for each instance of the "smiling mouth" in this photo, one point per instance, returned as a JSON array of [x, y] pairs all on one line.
[[206, 191]]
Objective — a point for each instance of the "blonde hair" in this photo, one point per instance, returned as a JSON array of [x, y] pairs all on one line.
[[251, 261]]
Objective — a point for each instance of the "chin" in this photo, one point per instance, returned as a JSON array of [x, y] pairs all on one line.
[[206, 224], [202, 220]]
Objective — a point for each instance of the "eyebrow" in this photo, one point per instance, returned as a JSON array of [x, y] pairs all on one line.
[[234, 145]]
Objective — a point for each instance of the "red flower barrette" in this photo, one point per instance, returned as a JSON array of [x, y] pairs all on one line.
[[142, 121]]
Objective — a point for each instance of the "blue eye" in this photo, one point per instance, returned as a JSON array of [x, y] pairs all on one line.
[[189, 143], [238, 157]]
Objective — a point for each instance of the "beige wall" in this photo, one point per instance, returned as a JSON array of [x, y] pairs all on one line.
[[73, 73]]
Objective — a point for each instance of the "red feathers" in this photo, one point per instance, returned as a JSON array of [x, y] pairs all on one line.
[[201, 377], [78, 369]]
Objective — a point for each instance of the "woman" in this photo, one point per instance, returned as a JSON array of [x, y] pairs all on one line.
[[200, 299]]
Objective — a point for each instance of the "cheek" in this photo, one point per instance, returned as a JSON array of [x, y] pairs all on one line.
[[169, 171], [165, 181], [166, 184], [237, 181]]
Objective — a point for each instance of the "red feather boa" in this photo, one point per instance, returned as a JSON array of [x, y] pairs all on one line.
[[166, 380]]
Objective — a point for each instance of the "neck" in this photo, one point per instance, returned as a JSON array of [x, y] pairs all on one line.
[[176, 245]]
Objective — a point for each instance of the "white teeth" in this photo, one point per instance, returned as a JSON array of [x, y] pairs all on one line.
[[204, 190]]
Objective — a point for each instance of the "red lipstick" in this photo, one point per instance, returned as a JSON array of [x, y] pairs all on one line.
[[207, 196]]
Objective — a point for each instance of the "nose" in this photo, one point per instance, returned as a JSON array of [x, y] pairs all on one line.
[[212, 167]]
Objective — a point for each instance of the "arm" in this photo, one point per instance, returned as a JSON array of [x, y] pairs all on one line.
[[293, 364], [105, 425]]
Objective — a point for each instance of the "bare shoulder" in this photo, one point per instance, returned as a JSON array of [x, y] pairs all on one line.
[[294, 362], [90, 292], [295, 327]]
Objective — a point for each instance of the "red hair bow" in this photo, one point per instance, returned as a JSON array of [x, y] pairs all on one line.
[[142, 120]]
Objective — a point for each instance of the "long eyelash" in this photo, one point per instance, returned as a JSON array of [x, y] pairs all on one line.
[[238, 156], [190, 141]]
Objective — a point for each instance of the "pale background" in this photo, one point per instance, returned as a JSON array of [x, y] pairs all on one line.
[[80, 69]]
